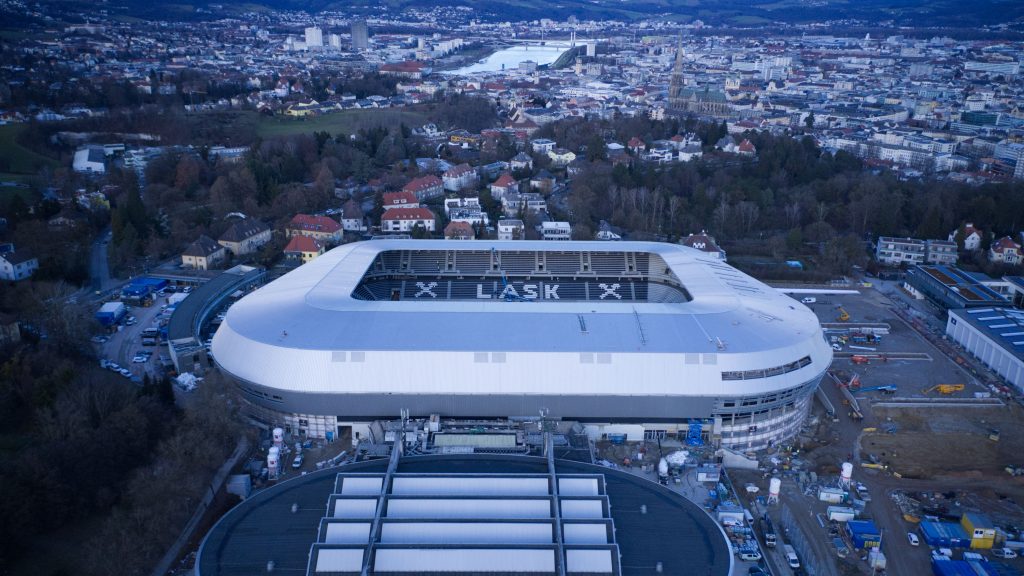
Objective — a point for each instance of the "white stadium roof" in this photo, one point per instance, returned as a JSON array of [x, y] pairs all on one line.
[[306, 331]]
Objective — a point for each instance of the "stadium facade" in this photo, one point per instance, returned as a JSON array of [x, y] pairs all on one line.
[[627, 337]]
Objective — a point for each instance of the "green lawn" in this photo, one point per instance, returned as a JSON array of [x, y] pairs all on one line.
[[347, 122], [20, 160]]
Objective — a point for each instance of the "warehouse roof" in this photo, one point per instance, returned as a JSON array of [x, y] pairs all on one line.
[[1004, 326]]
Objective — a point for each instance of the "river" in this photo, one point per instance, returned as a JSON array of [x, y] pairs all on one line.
[[509, 58]]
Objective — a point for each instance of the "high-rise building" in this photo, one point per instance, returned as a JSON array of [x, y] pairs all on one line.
[[360, 35], [314, 37], [334, 41]]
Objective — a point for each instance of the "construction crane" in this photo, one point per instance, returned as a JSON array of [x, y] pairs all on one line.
[[944, 389], [844, 316]]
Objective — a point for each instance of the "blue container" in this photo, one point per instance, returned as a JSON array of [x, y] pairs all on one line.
[[863, 533]]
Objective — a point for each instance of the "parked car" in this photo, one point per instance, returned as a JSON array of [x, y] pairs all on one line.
[[297, 463], [808, 300], [912, 538], [1004, 553], [125, 372], [113, 366], [99, 339]]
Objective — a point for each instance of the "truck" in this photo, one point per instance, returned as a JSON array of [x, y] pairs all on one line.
[[769, 532], [111, 313], [791, 558]]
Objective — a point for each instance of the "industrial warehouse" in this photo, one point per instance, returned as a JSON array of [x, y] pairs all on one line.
[[642, 338]]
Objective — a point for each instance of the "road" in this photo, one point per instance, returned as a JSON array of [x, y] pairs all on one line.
[[99, 267], [900, 556]]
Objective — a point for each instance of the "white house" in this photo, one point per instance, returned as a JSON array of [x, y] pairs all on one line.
[[17, 265], [511, 229], [406, 219], [972, 236], [352, 218], [555, 231], [460, 177]]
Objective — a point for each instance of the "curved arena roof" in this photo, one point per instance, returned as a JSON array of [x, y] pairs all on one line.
[[309, 332], [266, 527]]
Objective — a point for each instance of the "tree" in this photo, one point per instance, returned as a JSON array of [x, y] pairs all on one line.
[[809, 121], [597, 150]]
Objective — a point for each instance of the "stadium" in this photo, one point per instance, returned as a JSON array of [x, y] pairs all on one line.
[[627, 337]]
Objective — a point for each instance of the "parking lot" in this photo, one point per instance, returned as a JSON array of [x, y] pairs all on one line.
[[125, 343]]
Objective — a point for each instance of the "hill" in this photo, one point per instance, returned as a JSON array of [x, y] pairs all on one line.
[[738, 13]]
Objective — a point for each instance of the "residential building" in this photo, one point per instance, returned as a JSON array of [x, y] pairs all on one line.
[[542, 145], [302, 249], [511, 229], [1004, 251], [425, 187], [971, 236], [403, 199], [314, 37], [456, 203], [561, 157], [543, 182], [516, 202], [17, 265], [360, 35], [245, 237], [691, 152], [458, 230], [940, 252], [325, 230], [461, 177], [505, 184], [896, 251], [555, 231], [408, 69], [407, 219], [352, 217], [522, 161], [705, 243], [203, 254]]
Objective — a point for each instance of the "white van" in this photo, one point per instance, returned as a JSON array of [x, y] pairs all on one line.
[[1003, 553], [791, 557]]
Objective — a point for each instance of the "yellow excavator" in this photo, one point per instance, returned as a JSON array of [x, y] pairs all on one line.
[[844, 316], [943, 389]]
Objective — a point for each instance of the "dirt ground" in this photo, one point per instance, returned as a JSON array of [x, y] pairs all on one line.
[[949, 442]]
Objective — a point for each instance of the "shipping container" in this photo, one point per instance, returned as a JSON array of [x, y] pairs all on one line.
[[831, 495], [944, 534], [841, 513], [979, 529], [111, 313], [863, 534]]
